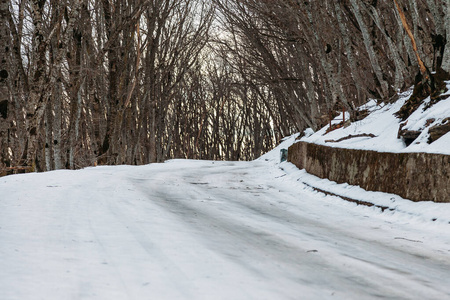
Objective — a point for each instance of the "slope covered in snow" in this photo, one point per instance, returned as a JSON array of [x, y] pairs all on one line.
[[381, 127], [426, 211], [379, 132]]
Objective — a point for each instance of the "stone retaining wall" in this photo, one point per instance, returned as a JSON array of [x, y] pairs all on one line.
[[414, 176]]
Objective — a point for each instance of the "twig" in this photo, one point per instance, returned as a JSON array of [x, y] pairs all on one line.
[[400, 238], [350, 137]]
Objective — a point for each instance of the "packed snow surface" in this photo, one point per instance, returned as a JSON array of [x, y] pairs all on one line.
[[214, 230], [384, 125]]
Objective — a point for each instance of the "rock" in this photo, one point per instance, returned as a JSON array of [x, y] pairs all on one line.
[[429, 122], [409, 136], [439, 130], [414, 176], [360, 115]]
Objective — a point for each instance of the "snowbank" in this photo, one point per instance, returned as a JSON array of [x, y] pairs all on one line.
[[274, 155], [382, 123], [391, 204]]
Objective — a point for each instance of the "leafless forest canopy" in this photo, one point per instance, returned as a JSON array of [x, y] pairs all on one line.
[[87, 82]]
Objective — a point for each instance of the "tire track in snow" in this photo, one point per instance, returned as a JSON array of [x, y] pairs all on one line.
[[223, 228]]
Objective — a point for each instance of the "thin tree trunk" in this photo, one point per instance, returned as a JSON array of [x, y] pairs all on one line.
[[422, 67], [5, 103], [57, 123], [48, 138], [369, 48], [446, 58]]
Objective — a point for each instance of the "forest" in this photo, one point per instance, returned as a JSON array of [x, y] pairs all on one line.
[[108, 82]]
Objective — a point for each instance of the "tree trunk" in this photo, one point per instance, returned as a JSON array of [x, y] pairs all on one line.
[[384, 92], [423, 69], [446, 58], [5, 100], [48, 138], [57, 123]]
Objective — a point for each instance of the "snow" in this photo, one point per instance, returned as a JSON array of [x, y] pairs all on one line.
[[214, 230], [274, 155], [384, 125], [226, 230], [391, 203]]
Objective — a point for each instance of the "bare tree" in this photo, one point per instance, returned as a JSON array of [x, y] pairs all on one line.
[[5, 102], [89, 82]]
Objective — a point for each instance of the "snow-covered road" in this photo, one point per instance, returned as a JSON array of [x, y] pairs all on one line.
[[207, 230]]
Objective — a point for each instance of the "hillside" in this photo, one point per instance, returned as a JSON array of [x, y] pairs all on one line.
[[384, 126], [379, 131]]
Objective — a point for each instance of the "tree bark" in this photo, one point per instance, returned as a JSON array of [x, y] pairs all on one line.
[[446, 58], [369, 48], [422, 67], [5, 100]]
